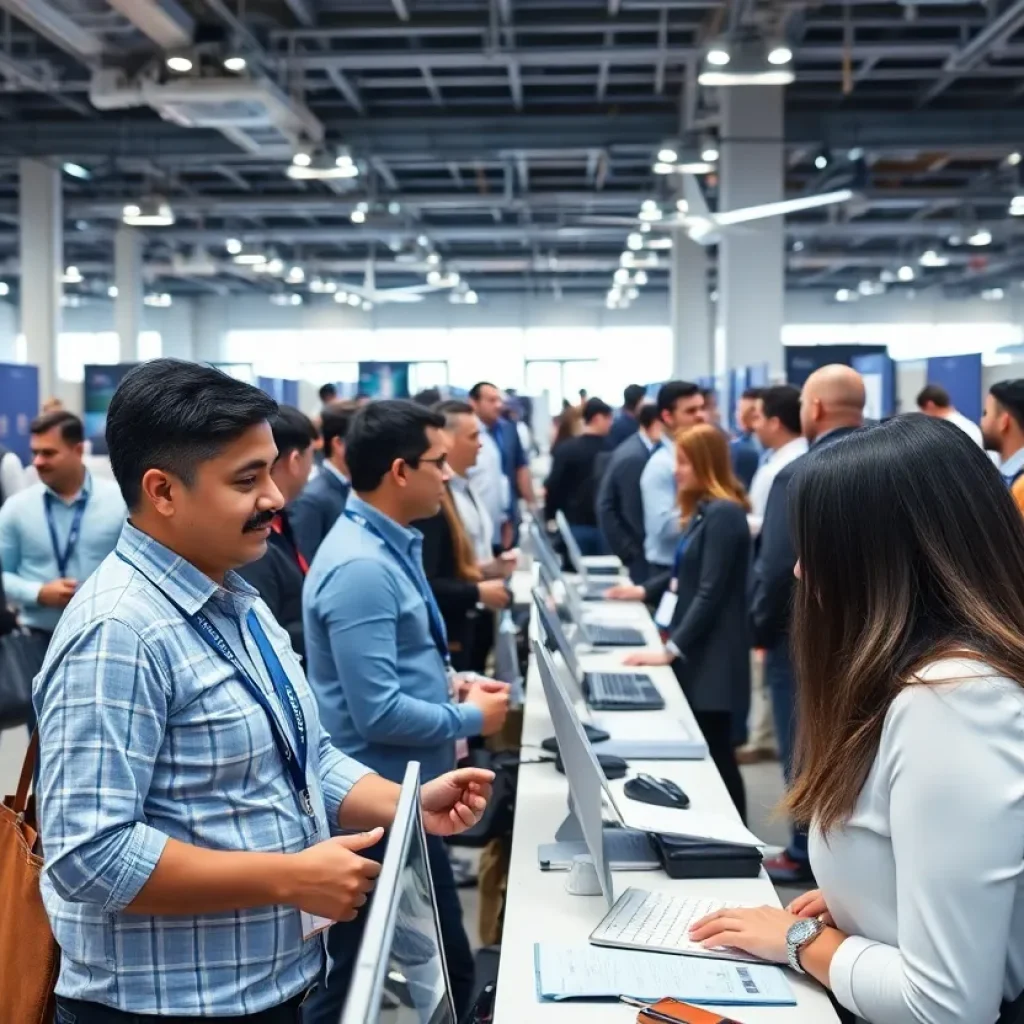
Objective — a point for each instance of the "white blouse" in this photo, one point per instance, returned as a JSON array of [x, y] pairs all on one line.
[[927, 877]]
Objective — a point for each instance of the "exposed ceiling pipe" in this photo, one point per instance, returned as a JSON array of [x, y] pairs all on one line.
[[169, 25], [56, 26]]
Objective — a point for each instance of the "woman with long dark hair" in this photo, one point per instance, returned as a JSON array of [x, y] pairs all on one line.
[[908, 639], [703, 598]]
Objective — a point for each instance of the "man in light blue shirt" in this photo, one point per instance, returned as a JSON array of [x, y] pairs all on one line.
[[377, 648], [680, 406], [190, 801], [55, 533], [1002, 428]]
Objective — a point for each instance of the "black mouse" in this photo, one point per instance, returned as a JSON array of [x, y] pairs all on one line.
[[612, 766], [593, 734], [662, 792]]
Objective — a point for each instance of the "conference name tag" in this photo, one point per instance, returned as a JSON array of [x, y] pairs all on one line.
[[313, 925], [666, 609]]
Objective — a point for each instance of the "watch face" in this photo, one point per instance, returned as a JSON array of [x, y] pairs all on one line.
[[803, 930]]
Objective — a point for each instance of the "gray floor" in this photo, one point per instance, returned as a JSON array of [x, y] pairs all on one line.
[[764, 789]]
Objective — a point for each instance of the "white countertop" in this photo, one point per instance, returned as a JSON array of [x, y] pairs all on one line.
[[538, 908]]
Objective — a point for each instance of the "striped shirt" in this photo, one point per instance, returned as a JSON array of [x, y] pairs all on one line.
[[147, 734]]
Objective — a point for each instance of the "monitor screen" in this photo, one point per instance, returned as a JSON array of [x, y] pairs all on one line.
[[571, 547], [553, 629], [544, 551], [400, 976]]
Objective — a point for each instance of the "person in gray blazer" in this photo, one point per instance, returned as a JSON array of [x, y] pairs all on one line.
[[323, 499], [620, 509], [702, 599]]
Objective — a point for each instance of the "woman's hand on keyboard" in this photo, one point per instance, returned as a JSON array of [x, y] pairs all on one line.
[[760, 931]]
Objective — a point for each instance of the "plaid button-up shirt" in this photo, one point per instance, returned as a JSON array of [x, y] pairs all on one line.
[[147, 734]]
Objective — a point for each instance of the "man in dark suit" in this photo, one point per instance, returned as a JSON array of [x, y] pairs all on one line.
[[620, 509], [323, 499], [280, 573], [626, 422], [831, 406]]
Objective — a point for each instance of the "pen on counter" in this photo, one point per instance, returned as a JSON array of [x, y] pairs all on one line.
[[646, 1008]]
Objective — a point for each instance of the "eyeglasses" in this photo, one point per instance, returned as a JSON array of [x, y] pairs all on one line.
[[441, 462]]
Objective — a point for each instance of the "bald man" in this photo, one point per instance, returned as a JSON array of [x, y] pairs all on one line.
[[831, 406]]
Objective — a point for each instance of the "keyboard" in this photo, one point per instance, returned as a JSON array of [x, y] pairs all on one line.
[[599, 635], [595, 591], [622, 691], [660, 922]]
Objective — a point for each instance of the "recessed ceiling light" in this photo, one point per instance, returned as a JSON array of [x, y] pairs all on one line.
[[709, 154], [821, 161], [931, 258], [663, 168], [846, 295], [112, 292], [77, 171], [357, 217], [5, 288], [234, 63], [980, 237], [1013, 159], [72, 275], [180, 63], [905, 273], [780, 55], [667, 156], [635, 241], [718, 56], [302, 158], [233, 246]]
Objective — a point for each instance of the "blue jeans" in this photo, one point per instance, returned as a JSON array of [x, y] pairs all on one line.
[[326, 1003], [590, 539], [778, 676]]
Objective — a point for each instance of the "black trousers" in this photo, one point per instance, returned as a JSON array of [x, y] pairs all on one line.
[[325, 1005], [717, 727], [73, 1011]]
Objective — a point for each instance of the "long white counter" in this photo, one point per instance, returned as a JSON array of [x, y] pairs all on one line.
[[538, 908]]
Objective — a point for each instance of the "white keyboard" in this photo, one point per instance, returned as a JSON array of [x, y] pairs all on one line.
[[660, 921]]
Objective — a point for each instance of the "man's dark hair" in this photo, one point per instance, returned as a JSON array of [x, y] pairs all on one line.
[[334, 422], [328, 393], [70, 426], [173, 415], [633, 395], [648, 415], [453, 407], [382, 432], [936, 394], [1010, 395], [783, 401], [672, 392], [753, 393], [293, 430], [596, 407], [709, 394], [477, 389], [427, 397]]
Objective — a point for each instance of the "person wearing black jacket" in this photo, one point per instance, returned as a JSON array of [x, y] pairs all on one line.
[[702, 599], [831, 406], [280, 573], [323, 499], [571, 486], [468, 588], [620, 508]]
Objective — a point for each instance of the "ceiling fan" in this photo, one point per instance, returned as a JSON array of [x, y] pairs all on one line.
[[368, 291], [705, 227]]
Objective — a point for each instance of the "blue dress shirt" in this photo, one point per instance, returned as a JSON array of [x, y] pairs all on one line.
[[1009, 470], [658, 490], [147, 734], [26, 550], [513, 458], [374, 667]]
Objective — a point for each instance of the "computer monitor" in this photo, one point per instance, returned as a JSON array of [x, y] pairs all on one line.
[[573, 603], [586, 780], [572, 549], [552, 628], [401, 950], [544, 551]]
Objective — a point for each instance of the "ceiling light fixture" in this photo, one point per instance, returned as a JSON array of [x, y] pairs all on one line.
[[982, 236], [302, 158], [640, 277], [112, 291], [286, 299], [747, 60], [148, 212], [1017, 206], [161, 300], [621, 276], [76, 171], [5, 288], [1013, 159], [663, 168], [367, 305], [249, 256], [905, 273], [295, 275], [821, 161], [709, 154], [888, 277], [635, 241], [718, 56], [233, 246], [357, 217], [179, 63], [354, 300], [341, 297], [667, 155], [780, 55], [72, 275], [846, 295], [930, 258], [235, 63], [993, 294]]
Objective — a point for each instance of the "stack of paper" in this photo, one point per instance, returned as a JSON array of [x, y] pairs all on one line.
[[590, 972]]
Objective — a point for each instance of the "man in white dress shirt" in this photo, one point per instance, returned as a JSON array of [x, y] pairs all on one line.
[[934, 400]]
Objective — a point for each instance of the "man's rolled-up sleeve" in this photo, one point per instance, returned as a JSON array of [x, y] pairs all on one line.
[[338, 774], [102, 708]]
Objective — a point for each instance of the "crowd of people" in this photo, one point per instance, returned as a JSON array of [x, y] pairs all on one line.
[[242, 642]]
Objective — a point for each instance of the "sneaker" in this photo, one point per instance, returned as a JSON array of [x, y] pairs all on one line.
[[783, 870]]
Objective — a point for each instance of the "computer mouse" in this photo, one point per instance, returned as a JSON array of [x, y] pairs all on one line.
[[612, 766], [661, 792], [593, 734]]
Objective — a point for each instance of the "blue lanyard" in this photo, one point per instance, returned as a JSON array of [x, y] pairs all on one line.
[[295, 761], [64, 557], [684, 543], [437, 628]]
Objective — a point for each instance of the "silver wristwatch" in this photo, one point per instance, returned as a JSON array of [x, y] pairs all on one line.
[[804, 931]]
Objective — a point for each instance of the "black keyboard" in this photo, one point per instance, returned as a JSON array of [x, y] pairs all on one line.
[[613, 636], [622, 691]]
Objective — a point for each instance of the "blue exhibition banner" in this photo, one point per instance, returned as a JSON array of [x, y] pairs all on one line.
[[758, 375], [961, 377], [19, 406], [98, 386], [273, 386], [384, 380], [803, 360], [290, 393], [879, 385]]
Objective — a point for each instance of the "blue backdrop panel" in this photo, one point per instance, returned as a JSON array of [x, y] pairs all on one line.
[[98, 387], [384, 380], [758, 376], [961, 377], [803, 360], [739, 381], [273, 386], [19, 405], [880, 384], [290, 392]]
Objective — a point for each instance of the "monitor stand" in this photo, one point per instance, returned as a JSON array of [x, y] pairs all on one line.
[[625, 849]]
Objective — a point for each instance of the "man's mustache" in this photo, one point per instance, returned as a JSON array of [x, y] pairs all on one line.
[[260, 521]]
